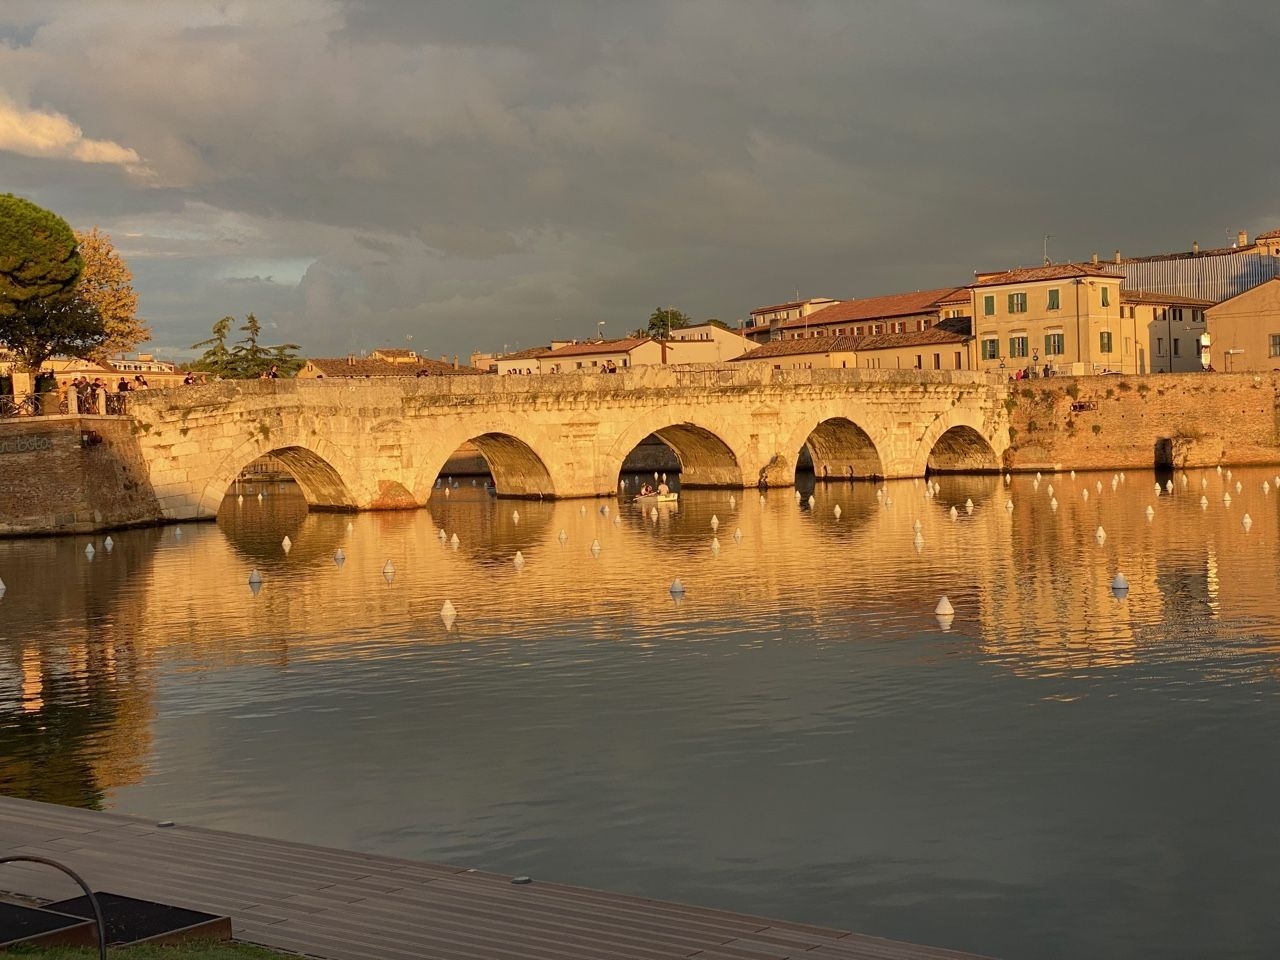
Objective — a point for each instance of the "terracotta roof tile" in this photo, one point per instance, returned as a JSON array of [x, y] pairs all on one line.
[[1053, 271], [792, 304], [1269, 235], [875, 308], [948, 332], [1170, 299], [596, 347]]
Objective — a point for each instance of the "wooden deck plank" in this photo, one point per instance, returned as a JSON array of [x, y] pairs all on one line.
[[345, 905]]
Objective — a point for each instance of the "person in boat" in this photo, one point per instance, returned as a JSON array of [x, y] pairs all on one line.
[[646, 490], [663, 489]]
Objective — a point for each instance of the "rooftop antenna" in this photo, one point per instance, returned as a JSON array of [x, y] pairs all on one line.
[[1047, 238]]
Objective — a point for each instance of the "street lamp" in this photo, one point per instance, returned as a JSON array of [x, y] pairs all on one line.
[[1035, 361], [600, 329]]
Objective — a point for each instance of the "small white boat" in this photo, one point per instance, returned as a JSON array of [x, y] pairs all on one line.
[[671, 497]]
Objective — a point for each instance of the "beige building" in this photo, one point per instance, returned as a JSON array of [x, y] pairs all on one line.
[[1173, 328], [944, 346], [872, 316], [1063, 316], [1244, 332], [705, 343], [763, 319], [604, 355]]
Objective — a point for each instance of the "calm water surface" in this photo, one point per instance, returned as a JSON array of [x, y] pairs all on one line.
[[1060, 774]]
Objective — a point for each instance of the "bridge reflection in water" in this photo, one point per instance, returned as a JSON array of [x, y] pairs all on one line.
[[796, 736]]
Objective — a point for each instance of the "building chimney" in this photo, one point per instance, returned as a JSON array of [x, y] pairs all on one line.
[[444, 358], [1095, 259], [1117, 256], [455, 361], [1242, 239], [1195, 246]]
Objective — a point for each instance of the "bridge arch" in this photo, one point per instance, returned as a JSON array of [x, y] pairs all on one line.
[[839, 446], [957, 443], [706, 458], [515, 463], [319, 480]]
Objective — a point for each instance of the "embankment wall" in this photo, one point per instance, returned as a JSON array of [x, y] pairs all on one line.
[[1131, 422], [72, 474]]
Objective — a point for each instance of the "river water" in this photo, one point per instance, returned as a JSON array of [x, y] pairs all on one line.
[[1060, 774]]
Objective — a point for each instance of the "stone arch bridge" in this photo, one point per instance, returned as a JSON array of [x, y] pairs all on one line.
[[381, 443]]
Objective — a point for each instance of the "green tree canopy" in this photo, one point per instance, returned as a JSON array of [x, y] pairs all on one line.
[[247, 358], [665, 319], [39, 260], [40, 265]]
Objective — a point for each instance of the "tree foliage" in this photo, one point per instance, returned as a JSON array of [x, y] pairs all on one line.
[[38, 256], [40, 266], [246, 359], [665, 319], [107, 285]]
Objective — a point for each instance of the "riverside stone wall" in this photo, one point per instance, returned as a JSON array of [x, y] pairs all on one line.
[[72, 475], [1131, 422]]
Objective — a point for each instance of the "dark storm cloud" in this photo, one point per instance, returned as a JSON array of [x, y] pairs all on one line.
[[480, 173]]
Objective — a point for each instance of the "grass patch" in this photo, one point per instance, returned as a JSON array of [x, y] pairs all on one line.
[[1009, 404], [1073, 391], [1124, 386], [1143, 389], [198, 950], [1110, 393], [1096, 428]]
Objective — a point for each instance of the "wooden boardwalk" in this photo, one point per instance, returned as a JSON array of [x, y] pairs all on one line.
[[351, 906]]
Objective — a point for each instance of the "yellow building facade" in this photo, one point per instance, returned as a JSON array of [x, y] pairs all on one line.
[[1244, 332], [1063, 317]]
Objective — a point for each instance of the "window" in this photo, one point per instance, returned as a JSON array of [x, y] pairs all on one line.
[[1175, 346], [1054, 345], [1275, 344], [1017, 303], [1018, 346], [1159, 346], [1054, 299], [1106, 296], [919, 362], [937, 361], [990, 348], [989, 305], [958, 360], [1104, 340]]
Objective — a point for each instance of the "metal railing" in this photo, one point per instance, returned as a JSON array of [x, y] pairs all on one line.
[[49, 405]]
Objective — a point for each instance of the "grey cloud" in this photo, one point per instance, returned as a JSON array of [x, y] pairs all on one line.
[[474, 173]]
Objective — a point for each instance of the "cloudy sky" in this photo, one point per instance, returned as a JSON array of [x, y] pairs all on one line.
[[489, 173]]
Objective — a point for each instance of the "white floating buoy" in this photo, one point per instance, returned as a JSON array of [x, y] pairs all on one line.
[[563, 537], [1007, 478], [447, 491], [1100, 535], [800, 496], [515, 516], [1084, 494], [1037, 476], [812, 501], [837, 511], [1099, 486], [1053, 504], [339, 557], [448, 614], [737, 535], [968, 506], [715, 545], [653, 514], [350, 526], [955, 514], [1246, 521], [1238, 487], [453, 541], [918, 542], [444, 537], [944, 608], [1008, 505], [1204, 482], [595, 548], [762, 498], [388, 567], [1151, 511], [1050, 490], [107, 544], [733, 501], [1219, 469], [617, 519], [1204, 502], [1266, 488], [1120, 586], [715, 522], [1168, 486], [1158, 489], [1226, 498], [240, 498], [3, 588], [254, 576], [582, 511], [519, 560], [937, 487], [259, 497], [880, 493], [89, 551], [1228, 474], [677, 588], [287, 544], [1073, 474], [916, 526]]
